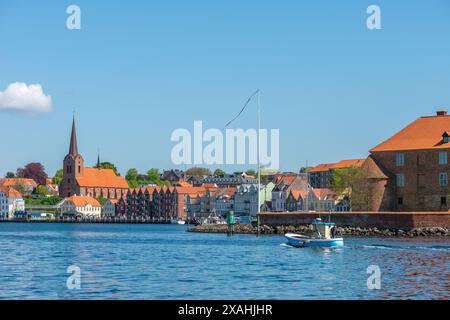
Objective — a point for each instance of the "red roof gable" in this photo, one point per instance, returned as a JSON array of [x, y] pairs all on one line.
[[81, 201], [101, 178], [424, 133], [11, 193]]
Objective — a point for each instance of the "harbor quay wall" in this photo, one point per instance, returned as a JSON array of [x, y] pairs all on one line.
[[381, 220]]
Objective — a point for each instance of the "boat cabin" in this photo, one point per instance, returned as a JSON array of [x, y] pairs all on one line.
[[324, 230]]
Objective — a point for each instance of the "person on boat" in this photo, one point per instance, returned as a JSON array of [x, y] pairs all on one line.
[[333, 231]]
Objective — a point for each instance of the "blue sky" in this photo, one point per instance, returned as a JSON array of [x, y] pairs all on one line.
[[138, 70]]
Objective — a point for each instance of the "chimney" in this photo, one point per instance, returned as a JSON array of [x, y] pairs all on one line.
[[441, 113]]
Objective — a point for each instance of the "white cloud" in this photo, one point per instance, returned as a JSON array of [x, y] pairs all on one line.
[[19, 96]]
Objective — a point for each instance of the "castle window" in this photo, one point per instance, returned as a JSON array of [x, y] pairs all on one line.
[[443, 179], [443, 200], [400, 201], [400, 159], [400, 180], [79, 169], [443, 157]]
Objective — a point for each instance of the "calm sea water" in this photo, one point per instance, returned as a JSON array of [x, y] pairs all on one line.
[[166, 262]]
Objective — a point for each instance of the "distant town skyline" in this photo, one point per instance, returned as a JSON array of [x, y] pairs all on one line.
[[134, 74]]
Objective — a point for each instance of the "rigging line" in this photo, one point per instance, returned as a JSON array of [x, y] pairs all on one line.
[[242, 110]]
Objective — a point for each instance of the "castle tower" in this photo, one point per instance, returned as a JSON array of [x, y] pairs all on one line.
[[73, 167]]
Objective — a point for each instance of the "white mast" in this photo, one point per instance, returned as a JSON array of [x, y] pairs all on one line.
[[259, 157]]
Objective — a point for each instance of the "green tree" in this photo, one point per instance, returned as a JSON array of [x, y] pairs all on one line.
[[198, 172], [251, 172], [101, 200], [219, 173], [41, 190], [58, 177], [304, 169], [154, 176], [131, 175], [355, 183], [10, 174], [108, 165]]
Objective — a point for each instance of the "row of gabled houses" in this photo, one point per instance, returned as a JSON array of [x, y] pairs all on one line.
[[288, 192], [184, 201]]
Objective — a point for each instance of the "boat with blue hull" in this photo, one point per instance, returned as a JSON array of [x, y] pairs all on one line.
[[324, 236]]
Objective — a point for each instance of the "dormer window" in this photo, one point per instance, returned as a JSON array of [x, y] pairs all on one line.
[[446, 137]]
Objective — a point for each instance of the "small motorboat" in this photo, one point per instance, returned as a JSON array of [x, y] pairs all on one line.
[[177, 221], [324, 236]]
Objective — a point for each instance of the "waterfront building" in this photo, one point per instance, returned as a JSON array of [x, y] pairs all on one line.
[[91, 182], [266, 196], [184, 199], [121, 207], [322, 199], [53, 189], [295, 200], [26, 186], [229, 181], [82, 205], [283, 185], [410, 170], [320, 175], [109, 208], [193, 206], [11, 202], [246, 200], [174, 175], [225, 201]]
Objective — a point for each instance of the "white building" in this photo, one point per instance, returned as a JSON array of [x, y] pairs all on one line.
[[246, 200], [324, 199], [225, 201], [83, 205], [11, 201], [109, 208]]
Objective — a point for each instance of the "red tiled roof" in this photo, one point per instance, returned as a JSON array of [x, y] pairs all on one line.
[[190, 190], [322, 167], [101, 178], [11, 182], [81, 201], [286, 179], [183, 184], [297, 193], [422, 134], [348, 163], [11, 193], [324, 193]]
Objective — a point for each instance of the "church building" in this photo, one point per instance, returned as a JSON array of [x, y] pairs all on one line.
[[93, 182]]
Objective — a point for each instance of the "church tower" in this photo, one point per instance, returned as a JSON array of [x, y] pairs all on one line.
[[73, 167]]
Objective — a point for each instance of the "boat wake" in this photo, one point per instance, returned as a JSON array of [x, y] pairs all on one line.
[[405, 248]]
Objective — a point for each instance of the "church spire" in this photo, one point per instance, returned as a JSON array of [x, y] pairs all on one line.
[[73, 150]]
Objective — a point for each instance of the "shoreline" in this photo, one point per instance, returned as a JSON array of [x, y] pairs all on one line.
[[342, 231]]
